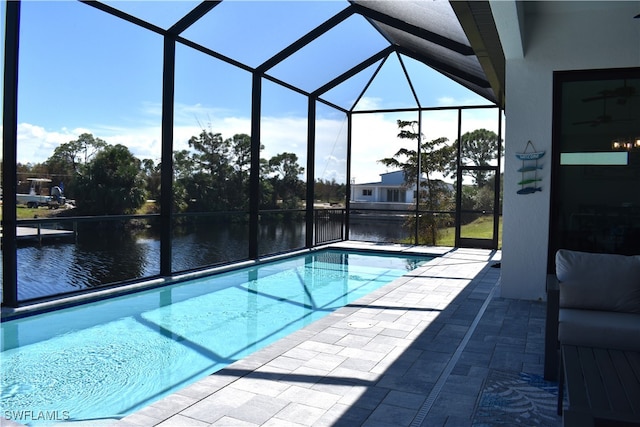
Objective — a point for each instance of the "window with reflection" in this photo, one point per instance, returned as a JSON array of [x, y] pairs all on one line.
[[596, 174]]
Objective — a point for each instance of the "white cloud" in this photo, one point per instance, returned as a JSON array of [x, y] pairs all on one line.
[[374, 137], [447, 101], [36, 144], [368, 103]]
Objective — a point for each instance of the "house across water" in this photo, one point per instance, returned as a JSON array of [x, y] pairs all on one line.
[[393, 192]]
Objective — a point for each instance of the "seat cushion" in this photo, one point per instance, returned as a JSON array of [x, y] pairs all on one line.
[[599, 329], [598, 281]]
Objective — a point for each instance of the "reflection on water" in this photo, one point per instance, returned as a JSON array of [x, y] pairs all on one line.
[[99, 257], [102, 256], [379, 231]]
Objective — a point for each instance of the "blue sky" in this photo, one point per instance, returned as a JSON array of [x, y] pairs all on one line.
[[82, 70]]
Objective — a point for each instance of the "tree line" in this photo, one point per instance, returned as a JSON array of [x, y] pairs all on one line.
[[213, 175]]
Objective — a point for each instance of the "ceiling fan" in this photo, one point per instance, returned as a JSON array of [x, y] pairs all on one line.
[[621, 95], [601, 119]]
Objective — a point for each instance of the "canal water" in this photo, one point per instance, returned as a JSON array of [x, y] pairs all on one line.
[[103, 257]]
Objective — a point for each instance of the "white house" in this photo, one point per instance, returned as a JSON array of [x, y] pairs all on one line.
[[391, 192], [392, 188]]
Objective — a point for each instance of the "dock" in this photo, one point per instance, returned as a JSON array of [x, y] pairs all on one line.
[[39, 233]]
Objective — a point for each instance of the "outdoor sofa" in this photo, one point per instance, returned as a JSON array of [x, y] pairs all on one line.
[[599, 336], [599, 299]]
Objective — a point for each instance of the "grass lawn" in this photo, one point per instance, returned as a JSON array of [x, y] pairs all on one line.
[[23, 212], [482, 228]]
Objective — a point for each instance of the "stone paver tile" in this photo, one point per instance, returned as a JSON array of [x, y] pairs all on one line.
[[392, 357], [364, 397], [330, 336], [198, 390], [284, 362], [321, 347], [394, 333], [232, 422], [260, 386], [336, 386], [362, 354], [315, 398], [213, 407], [182, 421], [390, 416], [171, 405], [404, 399], [279, 422], [379, 347], [301, 353], [326, 362], [269, 372], [352, 340], [258, 410], [387, 315], [358, 377], [340, 415], [137, 419], [305, 377], [356, 364], [409, 383], [300, 414], [390, 341], [396, 325], [464, 404], [218, 380], [156, 413]]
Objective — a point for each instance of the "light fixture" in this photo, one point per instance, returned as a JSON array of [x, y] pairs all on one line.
[[626, 144]]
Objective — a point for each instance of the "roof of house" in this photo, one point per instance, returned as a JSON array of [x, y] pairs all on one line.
[[387, 178]]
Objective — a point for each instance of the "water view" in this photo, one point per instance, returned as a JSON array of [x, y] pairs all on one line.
[[98, 257]]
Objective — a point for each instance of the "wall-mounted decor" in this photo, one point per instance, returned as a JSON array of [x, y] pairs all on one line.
[[529, 180]]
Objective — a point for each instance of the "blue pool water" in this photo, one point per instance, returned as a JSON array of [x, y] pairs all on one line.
[[110, 358]]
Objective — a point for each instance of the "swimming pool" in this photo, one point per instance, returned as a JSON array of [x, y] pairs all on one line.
[[110, 358]]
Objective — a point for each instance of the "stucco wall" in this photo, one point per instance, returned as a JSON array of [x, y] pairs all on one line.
[[557, 36]]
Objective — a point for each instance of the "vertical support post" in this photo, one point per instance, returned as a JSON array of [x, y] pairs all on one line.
[[497, 209], [459, 180], [9, 156], [311, 156], [166, 173], [418, 178], [254, 173], [347, 214]]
